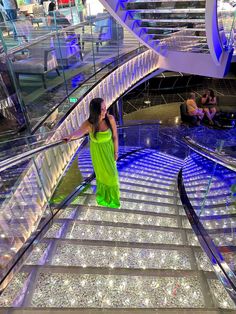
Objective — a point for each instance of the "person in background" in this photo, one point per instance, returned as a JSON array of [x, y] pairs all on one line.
[[11, 8], [61, 20], [208, 102], [192, 107], [104, 152]]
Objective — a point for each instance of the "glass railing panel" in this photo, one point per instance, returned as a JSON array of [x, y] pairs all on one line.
[[226, 22], [211, 190], [26, 190], [23, 203], [56, 54], [19, 145], [89, 80]]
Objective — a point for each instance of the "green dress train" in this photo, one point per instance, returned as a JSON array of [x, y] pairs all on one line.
[[102, 154]]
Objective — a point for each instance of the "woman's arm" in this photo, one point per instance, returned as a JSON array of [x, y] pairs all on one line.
[[84, 129], [115, 135]]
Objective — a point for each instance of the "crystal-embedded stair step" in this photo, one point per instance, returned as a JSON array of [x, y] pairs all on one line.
[[120, 257], [154, 206], [133, 184], [147, 190], [174, 210], [146, 289], [68, 252], [156, 165], [151, 184], [157, 174], [126, 217], [147, 177], [157, 168], [127, 204], [59, 310], [146, 195], [127, 234], [126, 224]]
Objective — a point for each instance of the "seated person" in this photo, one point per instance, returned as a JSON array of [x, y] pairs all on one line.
[[192, 107], [60, 18], [208, 102]]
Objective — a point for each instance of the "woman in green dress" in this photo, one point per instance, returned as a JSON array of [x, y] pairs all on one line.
[[104, 152]]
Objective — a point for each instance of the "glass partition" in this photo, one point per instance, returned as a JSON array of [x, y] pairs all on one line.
[[50, 52], [226, 22], [211, 190], [26, 190]]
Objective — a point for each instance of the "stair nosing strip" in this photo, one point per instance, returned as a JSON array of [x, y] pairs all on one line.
[[143, 192], [128, 245], [72, 206], [128, 211], [123, 225], [148, 272], [145, 202], [143, 185]]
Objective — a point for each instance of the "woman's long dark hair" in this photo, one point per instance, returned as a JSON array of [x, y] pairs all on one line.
[[212, 94], [95, 108]]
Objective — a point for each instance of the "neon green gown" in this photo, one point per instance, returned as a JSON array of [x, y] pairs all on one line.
[[102, 154]]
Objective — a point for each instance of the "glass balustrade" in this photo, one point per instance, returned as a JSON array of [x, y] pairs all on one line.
[[46, 58]]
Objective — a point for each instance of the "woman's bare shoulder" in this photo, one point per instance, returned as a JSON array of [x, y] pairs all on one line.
[[111, 118]]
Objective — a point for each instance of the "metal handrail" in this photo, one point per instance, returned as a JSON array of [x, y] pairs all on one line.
[[13, 161], [116, 62], [49, 34], [218, 157]]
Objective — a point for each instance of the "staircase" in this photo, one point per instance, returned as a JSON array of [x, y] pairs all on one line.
[[141, 258], [185, 34]]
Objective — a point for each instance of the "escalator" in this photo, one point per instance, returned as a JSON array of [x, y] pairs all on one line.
[[141, 258]]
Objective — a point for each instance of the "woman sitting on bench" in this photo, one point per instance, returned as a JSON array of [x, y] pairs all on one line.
[[192, 107], [208, 102]]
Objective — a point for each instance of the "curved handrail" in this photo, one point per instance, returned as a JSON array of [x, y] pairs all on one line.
[[116, 62], [12, 161], [217, 157], [222, 270]]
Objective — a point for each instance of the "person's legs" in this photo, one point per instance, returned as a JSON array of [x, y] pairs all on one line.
[[200, 114], [207, 112], [212, 112]]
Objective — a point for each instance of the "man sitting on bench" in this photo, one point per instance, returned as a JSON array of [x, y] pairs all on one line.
[[192, 107]]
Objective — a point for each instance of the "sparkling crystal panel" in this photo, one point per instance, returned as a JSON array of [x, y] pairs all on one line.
[[37, 253], [72, 290], [85, 256], [203, 261], [221, 297], [108, 233], [102, 215], [13, 289]]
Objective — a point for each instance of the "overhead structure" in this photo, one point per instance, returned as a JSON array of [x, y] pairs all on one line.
[[185, 34]]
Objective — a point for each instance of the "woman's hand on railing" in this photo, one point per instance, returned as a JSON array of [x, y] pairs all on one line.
[[66, 139]]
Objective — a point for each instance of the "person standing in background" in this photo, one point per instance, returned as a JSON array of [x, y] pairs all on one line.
[[11, 8]]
